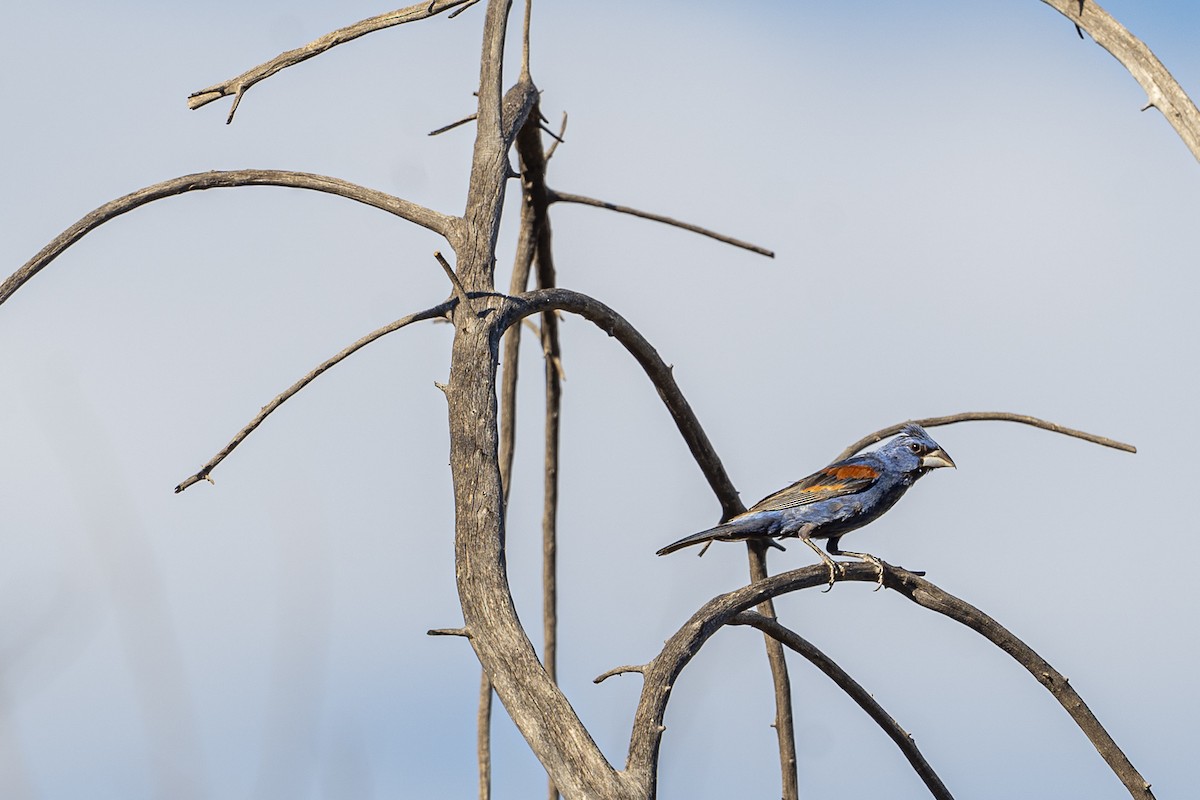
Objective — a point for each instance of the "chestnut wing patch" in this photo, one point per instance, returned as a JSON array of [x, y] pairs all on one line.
[[833, 481]]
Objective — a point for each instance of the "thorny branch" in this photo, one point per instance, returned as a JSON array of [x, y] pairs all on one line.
[[239, 85]]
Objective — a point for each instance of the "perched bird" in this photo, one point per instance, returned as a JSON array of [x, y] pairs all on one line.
[[834, 501]]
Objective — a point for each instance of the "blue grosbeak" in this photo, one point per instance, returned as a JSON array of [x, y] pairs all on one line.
[[834, 501]]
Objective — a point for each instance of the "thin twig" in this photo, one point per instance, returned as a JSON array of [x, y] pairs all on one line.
[[461, 9], [562, 130], [1162, 90], [447, 226], [983, 416], [459, 291], [771, 627], [238, 85], [563, 197], [622, 670], [449, 632], [269, 408], [664, 670], [454, 125]]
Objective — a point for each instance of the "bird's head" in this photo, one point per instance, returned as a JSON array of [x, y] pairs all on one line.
[[916, 451]]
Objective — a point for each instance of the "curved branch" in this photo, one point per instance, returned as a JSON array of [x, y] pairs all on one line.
[[1162, 90], [983, 416], [269, 408], [857, 693], [564, 197], [659, 373], [447, 226], [238, 86], [661, 673]]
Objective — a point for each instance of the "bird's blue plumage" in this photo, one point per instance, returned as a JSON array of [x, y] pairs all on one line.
[[835, 500]]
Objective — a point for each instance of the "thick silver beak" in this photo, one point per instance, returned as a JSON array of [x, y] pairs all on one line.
[[937, 458]]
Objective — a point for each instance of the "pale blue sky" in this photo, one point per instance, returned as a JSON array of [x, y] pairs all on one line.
[[969, 213]]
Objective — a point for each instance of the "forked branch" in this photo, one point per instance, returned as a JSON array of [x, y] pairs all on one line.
[[447, 226], [856, 692], [664, 670], [239, 85], [204, 472]]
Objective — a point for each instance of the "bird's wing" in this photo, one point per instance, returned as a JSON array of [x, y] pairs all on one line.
[[833, 481]]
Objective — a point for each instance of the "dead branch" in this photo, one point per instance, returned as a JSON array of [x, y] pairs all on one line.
[[662, 672], [656, 369], [785, 726], [447, 226], [483, 736], [903, 740], [455, 124], [983, 416], [622, 670], [1162, 90], [460, 293], [266, 411], [533, 178], [239, 85], [563, 197], [538, 708], [562, 130]]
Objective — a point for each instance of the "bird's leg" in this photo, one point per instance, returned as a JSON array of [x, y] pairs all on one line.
[[870, 559], [829, 562]]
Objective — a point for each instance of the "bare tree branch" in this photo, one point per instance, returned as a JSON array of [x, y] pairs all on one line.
[[563, 197], [1162, 90], [522, 266], [447, 226], [483, 738], [266, 411], [659, 373], [983, 416], [463, 632], [536, 705], [239, 85], [664, 670], [785, 726], [460, 293], [562, 130], [903, 740], [622, 670], [454, 125], [533, 178]]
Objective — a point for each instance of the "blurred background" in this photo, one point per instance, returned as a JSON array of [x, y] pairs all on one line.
[[969, 212]]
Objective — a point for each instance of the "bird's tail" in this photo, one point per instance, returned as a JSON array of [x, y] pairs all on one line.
[[728, 532]]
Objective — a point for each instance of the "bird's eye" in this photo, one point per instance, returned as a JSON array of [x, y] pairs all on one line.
[[915, 447]]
